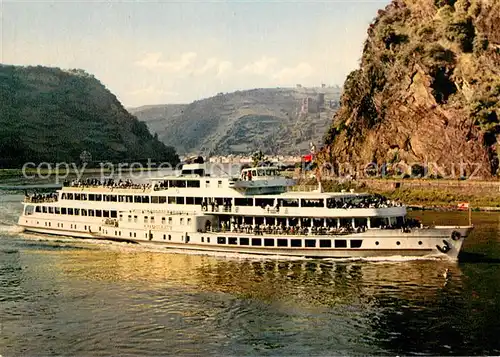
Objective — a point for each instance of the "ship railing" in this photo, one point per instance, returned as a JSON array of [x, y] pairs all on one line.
[[295, 231]]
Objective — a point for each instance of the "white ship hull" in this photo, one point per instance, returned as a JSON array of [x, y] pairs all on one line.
[[421, 242]]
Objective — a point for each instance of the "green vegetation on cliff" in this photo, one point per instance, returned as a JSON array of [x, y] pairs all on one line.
[[52, 115], [427, 91]]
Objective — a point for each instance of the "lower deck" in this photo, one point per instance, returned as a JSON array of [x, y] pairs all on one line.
[[369, 243]]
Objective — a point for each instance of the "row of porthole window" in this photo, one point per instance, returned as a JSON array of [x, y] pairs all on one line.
[[293, 243]]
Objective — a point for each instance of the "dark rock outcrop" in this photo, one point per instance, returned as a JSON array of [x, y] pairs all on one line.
[[427, 92]]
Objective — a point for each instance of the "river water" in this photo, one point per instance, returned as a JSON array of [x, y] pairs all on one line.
[[62, 296]]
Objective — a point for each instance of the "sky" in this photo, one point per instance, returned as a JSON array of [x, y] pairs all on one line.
[[158, 52]]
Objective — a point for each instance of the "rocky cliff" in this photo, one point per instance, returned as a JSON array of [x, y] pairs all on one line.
[[427, 92], [274, 120], [47, 114]]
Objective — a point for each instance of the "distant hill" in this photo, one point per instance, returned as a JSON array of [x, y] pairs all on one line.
[[52, 115], [273, 120]]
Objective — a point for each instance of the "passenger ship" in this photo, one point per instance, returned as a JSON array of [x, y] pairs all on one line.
[[254, 213]]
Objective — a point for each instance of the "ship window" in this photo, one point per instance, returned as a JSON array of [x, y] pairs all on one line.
[[44, 209], [182, 220], [91, 197], [193, 183], [256, 241], [376, 243], [243, 201], [356, 243], [91, 212], [163, 219], [77, 211], [325, 243], [290, 203], [164, 237], [169, 237], [208, 239], [169, 220], [207, 184], [268, 242], [310, 243], [105, 214], [398, 242], [105, 198], [189, 221], [77, 197], [419, 242], [135, 219], [202, 239], [312, 203], [98, 197], [114, 198], [244, 241], [152, 219], [63, 196], [145, 199], [198, 200], [145, 219], [171, 200], [57, 210], [263, 202], [63, 210], [282, 243], [162, 199], [121, 198], [340, 243], [232, 240], [70, 211], [38, 209], [154, 199], [179, 200], [70, 196], [51, 210], [296, 243], [130, 199], [254, 172], [219, 184], [221, 240], [84, 212], [98, 213], [137, 199], [189, 200], [129, 218]]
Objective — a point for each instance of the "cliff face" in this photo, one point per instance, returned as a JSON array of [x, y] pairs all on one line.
[[47, 114], [274, 120], [427, 91]]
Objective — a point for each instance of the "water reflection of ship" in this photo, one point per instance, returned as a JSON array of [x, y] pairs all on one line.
[[320, 282]]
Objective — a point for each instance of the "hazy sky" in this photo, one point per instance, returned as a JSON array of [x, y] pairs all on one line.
[[153, 52]]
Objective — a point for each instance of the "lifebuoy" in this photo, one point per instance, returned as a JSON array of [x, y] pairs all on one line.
[[456, 235], [445, 248], [204, 208]]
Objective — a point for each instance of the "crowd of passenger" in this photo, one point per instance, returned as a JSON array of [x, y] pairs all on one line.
[[261, 229], [108, 183], [365, 202], [40, 197]]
